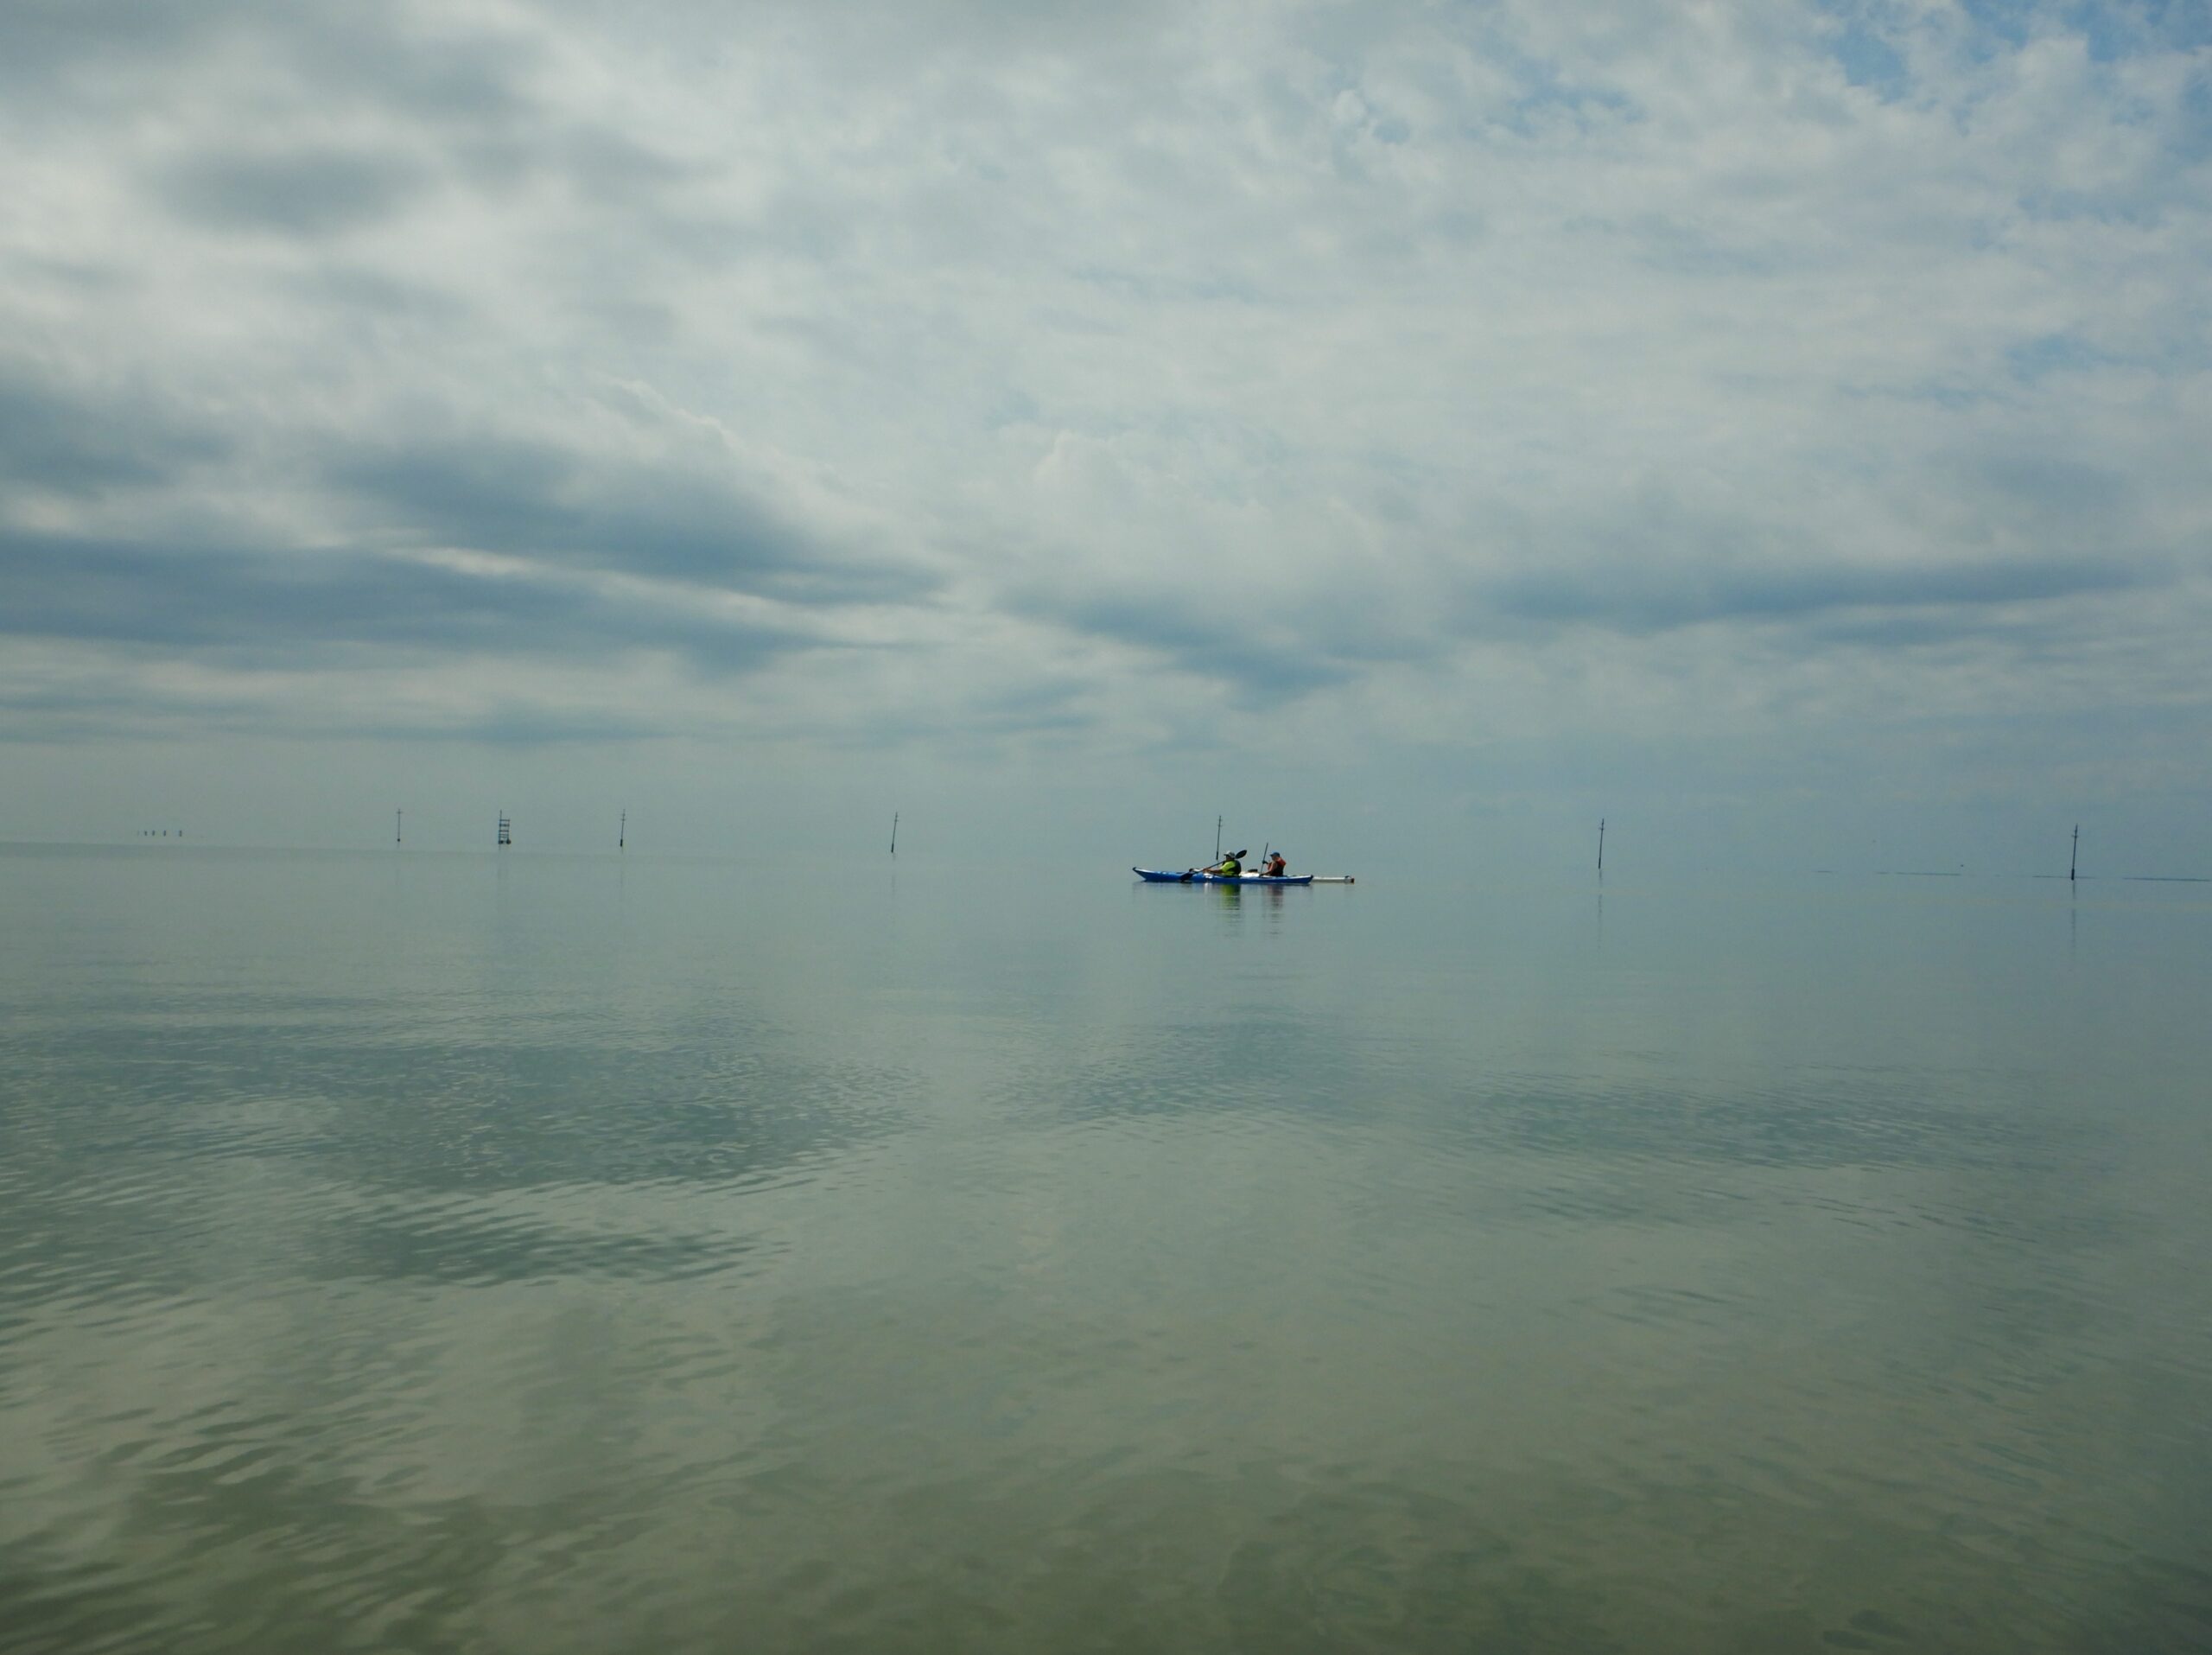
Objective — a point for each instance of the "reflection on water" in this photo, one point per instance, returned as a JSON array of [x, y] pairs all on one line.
[[460, 1253]]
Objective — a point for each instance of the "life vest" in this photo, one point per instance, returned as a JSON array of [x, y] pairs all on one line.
[[1230, 867]]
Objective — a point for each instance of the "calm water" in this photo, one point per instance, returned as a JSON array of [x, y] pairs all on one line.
[[454, 1253]]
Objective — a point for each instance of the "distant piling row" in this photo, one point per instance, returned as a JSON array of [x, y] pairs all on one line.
[[504, 837]]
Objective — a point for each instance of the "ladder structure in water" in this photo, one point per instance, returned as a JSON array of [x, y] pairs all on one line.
[[506, 830]]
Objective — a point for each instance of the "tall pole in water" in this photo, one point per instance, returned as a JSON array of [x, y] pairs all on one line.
[[1216, 838], [397, 817], [894, 833], [622, 831], [2075, 861], [1601, 844]]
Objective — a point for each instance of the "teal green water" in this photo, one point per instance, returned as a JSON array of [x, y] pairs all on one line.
[[467, 1254]]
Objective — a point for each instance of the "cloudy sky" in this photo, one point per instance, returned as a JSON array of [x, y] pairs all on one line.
[[1401, 425]]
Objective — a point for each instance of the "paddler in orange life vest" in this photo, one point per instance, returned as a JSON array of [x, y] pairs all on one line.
[[1273, 868]]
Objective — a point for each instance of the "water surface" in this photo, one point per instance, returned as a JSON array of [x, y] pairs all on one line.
[[481, 1253]]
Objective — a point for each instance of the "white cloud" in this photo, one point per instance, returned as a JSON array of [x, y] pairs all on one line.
[[1068, 375]]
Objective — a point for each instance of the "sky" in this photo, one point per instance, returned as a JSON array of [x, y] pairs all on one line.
[[1408, 430]]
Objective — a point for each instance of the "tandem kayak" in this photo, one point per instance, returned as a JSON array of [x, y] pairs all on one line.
[[1157, 876]]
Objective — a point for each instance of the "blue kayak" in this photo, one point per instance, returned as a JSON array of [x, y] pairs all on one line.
[[1158, 877]]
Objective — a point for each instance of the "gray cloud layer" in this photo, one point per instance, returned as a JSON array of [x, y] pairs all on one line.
[[1086, 372], [288, 608]]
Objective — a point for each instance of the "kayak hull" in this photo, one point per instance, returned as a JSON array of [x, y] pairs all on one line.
[[1159, 876]]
